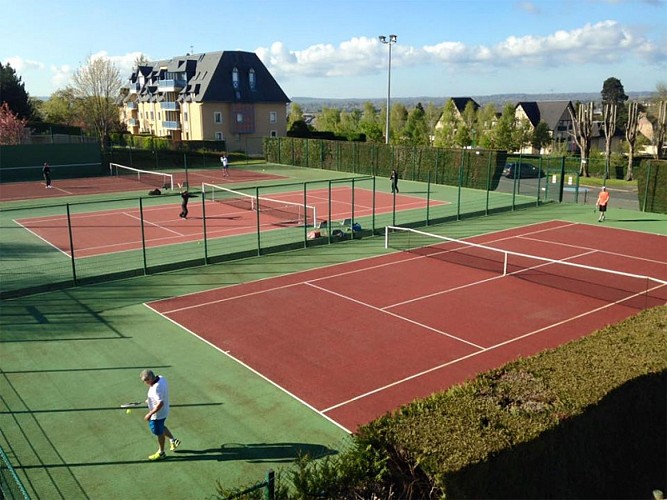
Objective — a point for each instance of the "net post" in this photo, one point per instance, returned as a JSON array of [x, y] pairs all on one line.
[[505, 259], [386, 237]]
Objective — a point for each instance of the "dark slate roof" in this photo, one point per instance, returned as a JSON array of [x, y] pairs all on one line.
[[461, 102], [209, 78], [549, 112]]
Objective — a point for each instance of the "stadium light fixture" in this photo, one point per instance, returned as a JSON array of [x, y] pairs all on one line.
[[390, 41]]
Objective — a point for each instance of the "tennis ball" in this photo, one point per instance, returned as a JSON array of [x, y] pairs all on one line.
[[128, 411]]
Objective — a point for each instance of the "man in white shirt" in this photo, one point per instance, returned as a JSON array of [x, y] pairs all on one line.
[[158, 410]]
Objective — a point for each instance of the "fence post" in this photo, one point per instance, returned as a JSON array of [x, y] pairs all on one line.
[[71, 244], [270, 489], [203, 220], [143, 234]]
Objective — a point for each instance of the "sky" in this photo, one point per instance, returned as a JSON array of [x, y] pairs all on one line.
[[330, 48]]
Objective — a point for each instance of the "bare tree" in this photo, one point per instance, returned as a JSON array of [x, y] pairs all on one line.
[[660, 129], [631, 133], [97, 83], [582, 126], [609, 112]]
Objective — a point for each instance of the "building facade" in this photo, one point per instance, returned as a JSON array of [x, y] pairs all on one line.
[[225, 96]]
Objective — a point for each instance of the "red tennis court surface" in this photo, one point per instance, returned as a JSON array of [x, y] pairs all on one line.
[[103, 232], [14, 191], [356, 340]]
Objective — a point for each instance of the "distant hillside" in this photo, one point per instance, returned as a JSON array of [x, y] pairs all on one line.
[[315, 104]]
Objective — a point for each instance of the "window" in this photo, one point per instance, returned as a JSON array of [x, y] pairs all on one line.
[[235, 78], [219, 136], [152, 115], [217, 117], [274, 133], [185, 116], [251, 78], [273, 117], [239, 117]]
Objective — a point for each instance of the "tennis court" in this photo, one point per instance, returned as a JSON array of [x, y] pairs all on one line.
[[357, 340], [102, 232], [128, 180]]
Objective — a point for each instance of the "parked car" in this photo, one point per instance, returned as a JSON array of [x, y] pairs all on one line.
[[525, 171]]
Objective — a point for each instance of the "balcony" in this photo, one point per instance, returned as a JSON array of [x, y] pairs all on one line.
[[131, 105], [171, 125], [169, 106], [134, 88], [133, 122], [171, 85]]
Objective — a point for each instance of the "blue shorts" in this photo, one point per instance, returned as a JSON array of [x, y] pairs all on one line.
[[157, 426]]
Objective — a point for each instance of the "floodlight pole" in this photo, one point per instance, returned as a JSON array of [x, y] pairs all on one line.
[[391, 41]]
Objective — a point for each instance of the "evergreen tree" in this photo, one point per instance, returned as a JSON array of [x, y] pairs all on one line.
[[12, 91]]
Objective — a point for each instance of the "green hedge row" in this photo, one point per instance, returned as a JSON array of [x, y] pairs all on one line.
[[586, 420]]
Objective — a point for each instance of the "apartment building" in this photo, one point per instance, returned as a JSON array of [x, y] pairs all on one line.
[[217, 96]]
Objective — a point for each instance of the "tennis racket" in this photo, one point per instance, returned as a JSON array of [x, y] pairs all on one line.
[[133, 404]]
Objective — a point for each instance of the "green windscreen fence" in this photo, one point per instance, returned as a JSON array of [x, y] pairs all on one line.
[[63, 245]]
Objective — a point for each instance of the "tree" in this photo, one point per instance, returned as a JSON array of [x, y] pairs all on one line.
[[431, 115], [63, 107], [416, 128], [398, 119], [631, 133], [445, 133], [614, 93], [660, 129], [609, 112], [98, 83], [295, 115], [370, 124], [504, 133], [582, 130], [329, 120], [486, 120], [541, 136], [12, 127], [12, 92]]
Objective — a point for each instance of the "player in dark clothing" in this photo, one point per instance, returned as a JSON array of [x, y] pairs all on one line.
[[185, 196], [394, 181], [46, 173]]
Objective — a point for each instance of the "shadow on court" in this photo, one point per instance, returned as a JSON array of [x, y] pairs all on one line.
[[261, 452]]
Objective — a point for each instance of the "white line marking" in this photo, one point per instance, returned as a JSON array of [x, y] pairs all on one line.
[[250, 368]]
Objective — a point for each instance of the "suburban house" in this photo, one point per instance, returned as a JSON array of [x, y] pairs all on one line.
[[217, 96], [556, 114], [460, 104]]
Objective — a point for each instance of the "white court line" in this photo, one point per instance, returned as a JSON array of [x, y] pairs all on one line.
[[593, 250], [322, 278], [250, 368], [153, 224], [473, 354], [44, 240], [402, 318]]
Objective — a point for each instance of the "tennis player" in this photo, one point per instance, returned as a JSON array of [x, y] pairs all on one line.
[[158, 410], [225, 165], [185, 196], [601, 204], [46, 173]]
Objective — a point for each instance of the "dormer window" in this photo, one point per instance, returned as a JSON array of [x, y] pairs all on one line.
[[235, 78], [251, 78]]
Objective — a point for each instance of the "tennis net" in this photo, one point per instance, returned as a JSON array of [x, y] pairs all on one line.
[[633, 290], [287, 212], [149, 177]]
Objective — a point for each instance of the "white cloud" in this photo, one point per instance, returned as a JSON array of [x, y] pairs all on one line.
[[60, 76], [23, 66], [593, 43]]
